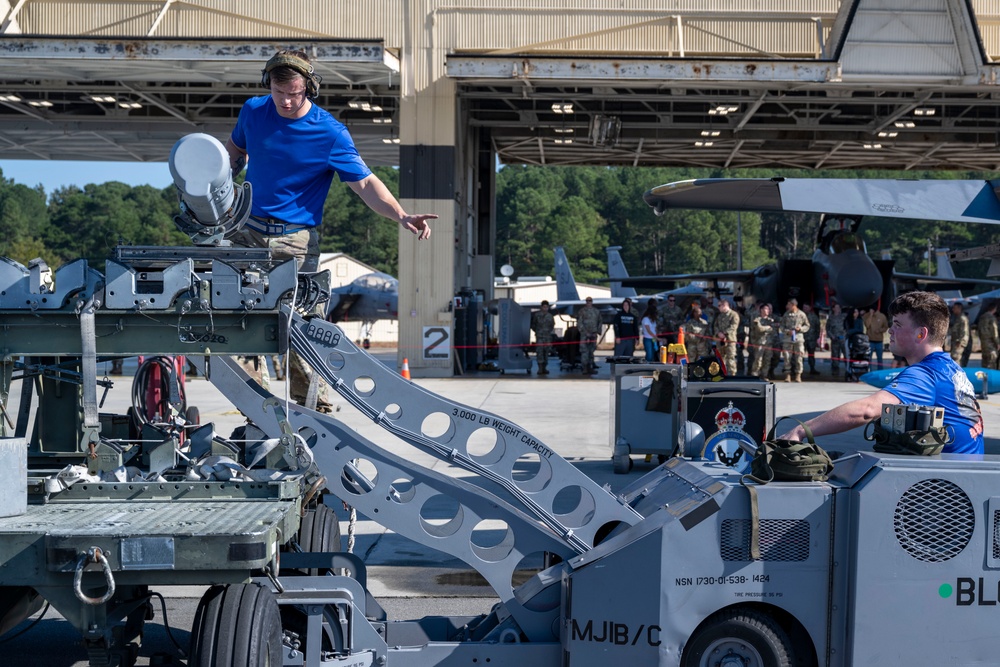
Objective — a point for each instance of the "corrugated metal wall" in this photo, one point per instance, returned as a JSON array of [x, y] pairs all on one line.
[[629, 27], [638, 27], [339, 19], [988, 17]]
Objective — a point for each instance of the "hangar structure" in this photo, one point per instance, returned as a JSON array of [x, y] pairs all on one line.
[[445, 89]]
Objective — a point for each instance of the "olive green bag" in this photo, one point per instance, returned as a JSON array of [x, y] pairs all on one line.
[[790, 460]]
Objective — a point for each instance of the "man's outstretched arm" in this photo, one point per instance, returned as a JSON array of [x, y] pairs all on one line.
[[844, 417]]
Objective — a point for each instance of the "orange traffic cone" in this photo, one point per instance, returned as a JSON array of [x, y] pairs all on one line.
[[406, 368]]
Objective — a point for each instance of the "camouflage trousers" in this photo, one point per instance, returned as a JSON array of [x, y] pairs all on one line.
[[543, 348], [303, 247], [761, 360], [728, 353], [794, 351], [588, 345], [989, 356]]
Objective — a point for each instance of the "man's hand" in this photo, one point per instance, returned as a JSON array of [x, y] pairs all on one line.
[[418, 224], [798, 434]]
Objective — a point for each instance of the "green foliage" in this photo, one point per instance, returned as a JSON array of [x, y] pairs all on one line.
[[349, 226], [583, 209]]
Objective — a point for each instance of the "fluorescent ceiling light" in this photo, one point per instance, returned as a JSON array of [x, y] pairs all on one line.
[[40, 103], [710, 133], [102, 98], [125, 104], [905, 123], [870, 146], [883, 134], [562, 107], [563, 130], [704, 144], [924, 111], [562, 141], [9, 98], [723, 109]]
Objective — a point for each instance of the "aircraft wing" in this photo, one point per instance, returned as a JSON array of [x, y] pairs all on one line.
[[659, 282], [951, 200], [937, 283]]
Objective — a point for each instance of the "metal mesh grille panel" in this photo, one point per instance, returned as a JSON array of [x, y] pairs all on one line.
[[934, 520], [996, 535], [780, 540]]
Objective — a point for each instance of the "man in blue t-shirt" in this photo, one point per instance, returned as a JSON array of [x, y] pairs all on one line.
[[293, 149], [917, 333]]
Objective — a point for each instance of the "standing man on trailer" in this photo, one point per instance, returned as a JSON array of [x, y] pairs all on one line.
[[292, 149]]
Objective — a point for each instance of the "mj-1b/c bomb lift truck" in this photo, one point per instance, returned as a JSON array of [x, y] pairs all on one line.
[[894, 560]]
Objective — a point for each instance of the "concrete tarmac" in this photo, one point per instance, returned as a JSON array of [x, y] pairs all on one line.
[[567, 411]]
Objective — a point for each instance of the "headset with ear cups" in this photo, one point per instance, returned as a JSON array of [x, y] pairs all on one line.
[[300, 65]]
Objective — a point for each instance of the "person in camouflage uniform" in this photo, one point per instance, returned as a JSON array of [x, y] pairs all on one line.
[[668, 320], [794, 325], [588, 321], [811, 337], [709, 312], [727, 325], [989, 335], [958, 331], [696, 334], [763, 332], [836, 331], [543, 324]]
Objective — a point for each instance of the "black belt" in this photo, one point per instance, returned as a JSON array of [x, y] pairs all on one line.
[[272, 226]]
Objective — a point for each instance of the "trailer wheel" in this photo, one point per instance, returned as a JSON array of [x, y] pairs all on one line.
[[319, 530], [238, 625], [193, 415], [621, 461], [739, 637]]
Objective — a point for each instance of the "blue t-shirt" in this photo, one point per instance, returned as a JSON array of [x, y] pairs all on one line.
[[939, 381], [292, 162]]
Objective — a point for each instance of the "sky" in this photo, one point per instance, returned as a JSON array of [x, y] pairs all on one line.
[[52, 174]]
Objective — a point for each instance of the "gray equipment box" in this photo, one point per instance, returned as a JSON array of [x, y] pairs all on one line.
[[731, 405], [634, 428], [513, 334]]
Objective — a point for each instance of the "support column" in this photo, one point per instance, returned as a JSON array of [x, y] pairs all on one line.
[[429, 182]]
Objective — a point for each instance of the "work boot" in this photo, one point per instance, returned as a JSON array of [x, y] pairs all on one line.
[[813, 371], [798, 377], [788, 377]]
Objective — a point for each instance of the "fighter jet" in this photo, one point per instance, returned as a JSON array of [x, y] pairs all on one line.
[[840, 270], [568, 298], [371, 297]]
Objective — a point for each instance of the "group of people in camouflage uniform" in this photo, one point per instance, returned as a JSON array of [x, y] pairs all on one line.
[[794, 335], [960, 335], [588, 323]]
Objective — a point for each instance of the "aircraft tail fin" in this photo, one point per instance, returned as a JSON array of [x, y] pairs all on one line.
[[616, 269], [565, 284], [945, 270]]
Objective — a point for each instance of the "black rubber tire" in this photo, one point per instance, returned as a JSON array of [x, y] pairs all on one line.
[[193, 415], [752, 635], [238, 625], [319, 530]]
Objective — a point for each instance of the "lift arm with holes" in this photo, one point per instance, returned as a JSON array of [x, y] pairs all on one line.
[[402, 495]]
